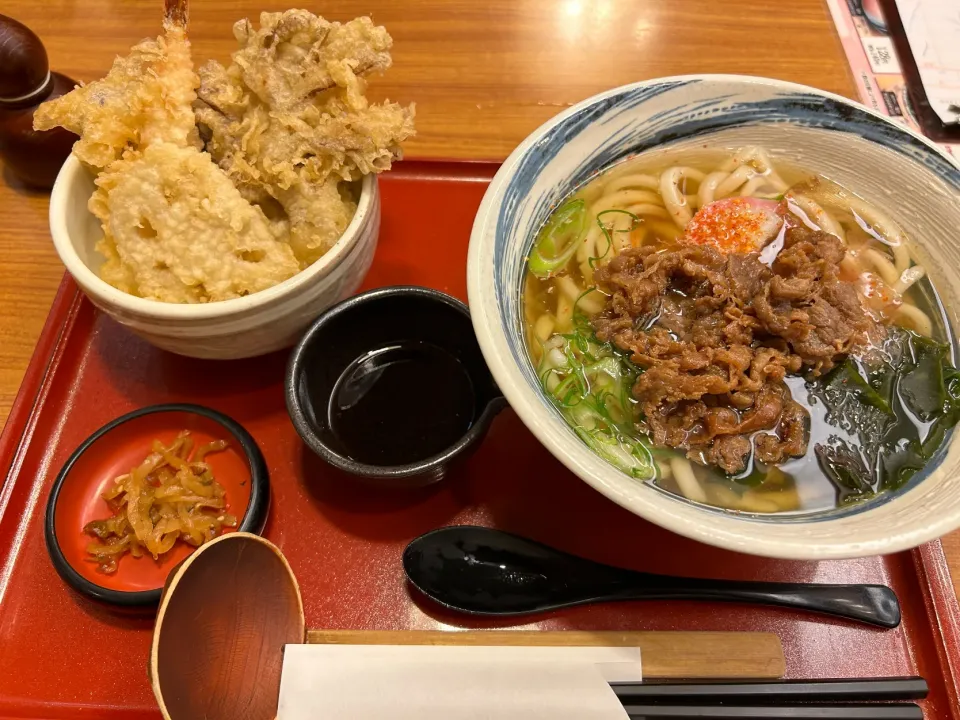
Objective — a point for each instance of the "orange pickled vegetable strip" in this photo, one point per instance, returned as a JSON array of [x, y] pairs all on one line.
[[172, 495]]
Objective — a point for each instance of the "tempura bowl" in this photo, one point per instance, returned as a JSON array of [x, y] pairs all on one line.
[[242, 327], [910, 178]]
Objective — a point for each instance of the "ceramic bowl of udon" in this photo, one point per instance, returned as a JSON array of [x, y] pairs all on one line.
[[915, 183]]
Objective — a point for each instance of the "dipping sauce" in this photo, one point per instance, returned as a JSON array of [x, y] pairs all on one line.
[[401, 404]]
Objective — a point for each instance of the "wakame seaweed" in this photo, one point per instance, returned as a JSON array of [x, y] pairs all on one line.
[[891, 411]]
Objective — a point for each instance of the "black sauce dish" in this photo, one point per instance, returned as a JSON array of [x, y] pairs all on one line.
[[390, 386]]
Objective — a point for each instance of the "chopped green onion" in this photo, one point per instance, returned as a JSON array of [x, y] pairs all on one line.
[[559, 239], [606, 232], [590, 383], [630, 456]]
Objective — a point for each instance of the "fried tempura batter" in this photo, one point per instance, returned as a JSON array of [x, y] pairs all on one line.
[[289, 117], [145, 98], [317, 211], [288, 130], [182, 232], [294, 54]]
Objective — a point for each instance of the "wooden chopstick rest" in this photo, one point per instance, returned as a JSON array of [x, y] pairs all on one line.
[[694, 655]]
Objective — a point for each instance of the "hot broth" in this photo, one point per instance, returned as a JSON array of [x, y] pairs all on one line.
[[739, 332]]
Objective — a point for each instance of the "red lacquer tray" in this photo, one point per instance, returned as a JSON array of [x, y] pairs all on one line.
[[61, 656]]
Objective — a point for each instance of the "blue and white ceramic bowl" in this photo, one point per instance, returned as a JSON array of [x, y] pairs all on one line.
[[897, 170]]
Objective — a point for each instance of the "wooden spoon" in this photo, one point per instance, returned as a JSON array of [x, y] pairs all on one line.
[[225, 614]]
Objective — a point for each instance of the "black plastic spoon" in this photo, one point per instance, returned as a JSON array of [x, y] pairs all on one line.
[[488, 572]]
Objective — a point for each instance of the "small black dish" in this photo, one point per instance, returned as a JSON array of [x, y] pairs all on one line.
[[113, 450], [390, 385]]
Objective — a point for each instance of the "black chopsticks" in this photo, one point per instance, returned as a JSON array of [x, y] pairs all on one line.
[[897, 711], [777, 691], [788, 699]]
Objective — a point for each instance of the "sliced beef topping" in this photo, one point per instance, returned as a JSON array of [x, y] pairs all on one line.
[[716, 335]]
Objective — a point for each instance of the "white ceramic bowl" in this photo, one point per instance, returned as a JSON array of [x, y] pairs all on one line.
[[900, 171], [243, 327]]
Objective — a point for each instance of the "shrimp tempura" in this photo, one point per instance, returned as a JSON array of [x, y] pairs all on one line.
[[145, 98]]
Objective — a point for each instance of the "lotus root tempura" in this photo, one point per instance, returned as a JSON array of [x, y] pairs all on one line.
[[740, 332]]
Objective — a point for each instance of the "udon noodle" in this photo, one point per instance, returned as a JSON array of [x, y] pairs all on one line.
[[651, 204]]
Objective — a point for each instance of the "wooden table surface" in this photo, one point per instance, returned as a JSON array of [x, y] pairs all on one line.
[[483, 75]]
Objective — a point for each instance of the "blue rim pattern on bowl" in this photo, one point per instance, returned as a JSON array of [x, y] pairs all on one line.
[[798, 108], [675, 113]]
